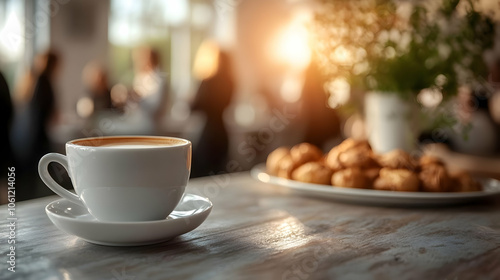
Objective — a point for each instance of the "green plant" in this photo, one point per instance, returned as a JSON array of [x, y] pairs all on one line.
[[403, 46]]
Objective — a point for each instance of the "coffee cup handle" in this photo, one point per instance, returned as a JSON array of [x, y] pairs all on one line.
[[49, 181]]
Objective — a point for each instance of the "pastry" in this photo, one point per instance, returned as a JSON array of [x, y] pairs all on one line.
[[305, 152], [429, 160], [355, 157], [371, 174], [350, 153], [313, 172], [353, 164], [350, 178], [350, 143], [332, 160], [435, 178], [397, 159], [396, 180], [273, 159], [286, 166], [463, 182]]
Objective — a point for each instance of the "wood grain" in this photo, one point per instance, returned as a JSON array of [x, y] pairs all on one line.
[[259, 231]]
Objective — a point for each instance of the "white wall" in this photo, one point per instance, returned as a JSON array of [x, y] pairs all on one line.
[[79, 31]]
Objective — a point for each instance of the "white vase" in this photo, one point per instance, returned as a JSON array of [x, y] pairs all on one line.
[[389, 122]]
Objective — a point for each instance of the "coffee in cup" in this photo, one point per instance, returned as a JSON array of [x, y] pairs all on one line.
[[123, 178]]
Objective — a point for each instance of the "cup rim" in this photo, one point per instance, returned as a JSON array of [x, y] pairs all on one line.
[[181, 142]]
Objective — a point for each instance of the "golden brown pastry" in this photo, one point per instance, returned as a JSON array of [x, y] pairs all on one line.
[[396, 180], [273, 159], [371, 174], [332, 160], [286, 166], [322, 160], [463, 182], [356, 157], [435, 178], [349, 153], [397, 159], [313, 172], [348, 144], [428, 160], [350, 178], [305, 152]]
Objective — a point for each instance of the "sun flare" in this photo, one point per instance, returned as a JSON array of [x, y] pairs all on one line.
[[292, 47]]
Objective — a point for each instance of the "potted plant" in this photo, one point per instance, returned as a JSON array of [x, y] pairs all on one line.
[[395, 50]]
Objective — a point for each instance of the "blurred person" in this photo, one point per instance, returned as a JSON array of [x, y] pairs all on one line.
[[149, 85], [24, 87], [21, 134], [322, 122], [213, 97], [35, 114], [42, 106], [6, 113], [494, 104], [477, 113], [36, 111], [95, 79], [477, 131]]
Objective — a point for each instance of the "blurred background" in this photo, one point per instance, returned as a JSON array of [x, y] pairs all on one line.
[[236, 77]]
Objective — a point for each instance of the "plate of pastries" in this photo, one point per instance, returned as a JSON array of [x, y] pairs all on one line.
[[353, 172]]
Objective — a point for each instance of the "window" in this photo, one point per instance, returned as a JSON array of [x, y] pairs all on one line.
[[24, 31], [175, 28]]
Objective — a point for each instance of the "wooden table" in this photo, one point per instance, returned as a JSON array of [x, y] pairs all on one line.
[[259, 231]]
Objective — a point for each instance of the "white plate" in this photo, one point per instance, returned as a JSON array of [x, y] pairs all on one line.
[[491, 187], [74, 219]]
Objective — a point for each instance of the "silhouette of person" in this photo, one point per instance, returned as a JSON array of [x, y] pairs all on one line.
[[41, 107], [95, 79], [149, 86], [30, 131], [213, 97], [322, 122], [6, 114]]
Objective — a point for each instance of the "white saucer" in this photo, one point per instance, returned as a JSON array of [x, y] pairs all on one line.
[[76, 220]]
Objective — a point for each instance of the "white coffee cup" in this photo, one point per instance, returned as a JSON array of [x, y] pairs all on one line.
[[123, 178]]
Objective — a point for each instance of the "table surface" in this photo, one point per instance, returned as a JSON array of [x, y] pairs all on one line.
[[267, 232]]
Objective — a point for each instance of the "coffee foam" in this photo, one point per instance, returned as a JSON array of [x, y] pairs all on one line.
[[129, 142], [132, 146]]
